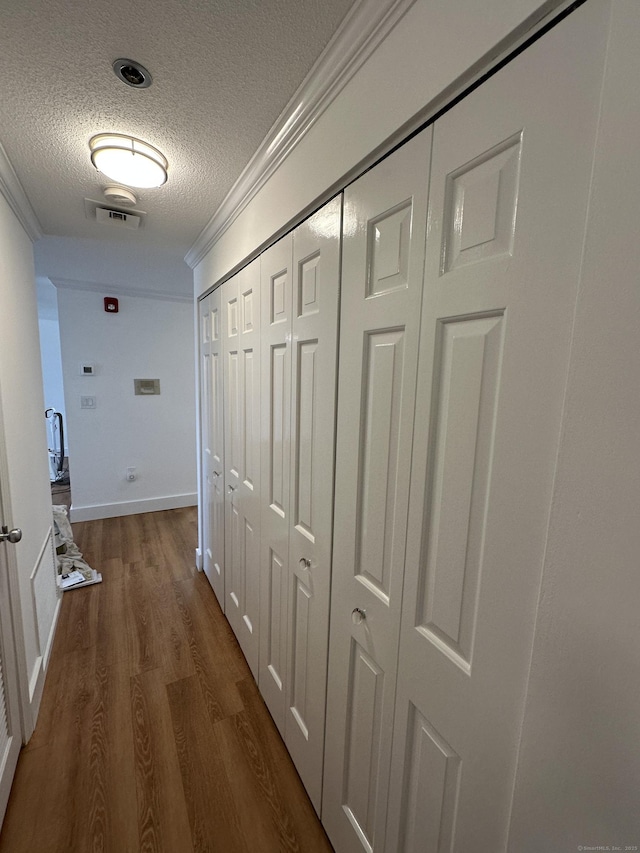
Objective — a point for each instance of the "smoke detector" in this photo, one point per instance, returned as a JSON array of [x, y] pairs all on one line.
[[120, 196]]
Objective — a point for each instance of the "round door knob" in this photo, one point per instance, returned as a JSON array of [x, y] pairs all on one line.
[[14, 535], [304, 563], [358, 615]]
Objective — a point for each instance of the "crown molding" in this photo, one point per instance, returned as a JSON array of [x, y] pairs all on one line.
[[365, 26], [12, 190], [117, 290]]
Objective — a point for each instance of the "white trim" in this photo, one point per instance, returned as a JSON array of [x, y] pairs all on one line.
[[96, 511], [118, 290], [12, 190], [366, 25], [199, 563]]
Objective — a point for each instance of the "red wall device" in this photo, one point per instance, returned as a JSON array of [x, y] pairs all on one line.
[[111, 304]]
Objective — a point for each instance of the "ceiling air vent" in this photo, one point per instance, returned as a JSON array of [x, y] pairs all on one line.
[[98, 211], [108, 216]]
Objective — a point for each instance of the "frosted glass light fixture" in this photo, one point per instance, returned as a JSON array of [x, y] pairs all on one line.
[[128, 160]]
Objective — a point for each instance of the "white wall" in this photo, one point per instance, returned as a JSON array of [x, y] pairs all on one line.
[[579, 772], [435, 44], [147, 339], [24, 435]]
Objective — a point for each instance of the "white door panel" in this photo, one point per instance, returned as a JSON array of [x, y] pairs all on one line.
[[384, 225], [300, 286], [507, 202], [241, 348], [276, 308], [316, 280], [211, 406]]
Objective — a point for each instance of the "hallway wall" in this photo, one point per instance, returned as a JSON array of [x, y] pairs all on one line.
[[149, 338]]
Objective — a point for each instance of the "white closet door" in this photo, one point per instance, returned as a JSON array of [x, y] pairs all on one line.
[[276, 308], [241, 346], [509, 180], [316, 281], [384, 225], [212, 431]]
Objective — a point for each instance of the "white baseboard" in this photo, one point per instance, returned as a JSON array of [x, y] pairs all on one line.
[[91, 513]]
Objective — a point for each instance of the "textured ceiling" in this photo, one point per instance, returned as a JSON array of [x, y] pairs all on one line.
[[222, 71]]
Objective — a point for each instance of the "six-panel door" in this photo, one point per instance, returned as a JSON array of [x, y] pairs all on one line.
[[509, 184], [241, 350], [316, 284], [212, 437], [276, 308], [384, 223], [300, 284]]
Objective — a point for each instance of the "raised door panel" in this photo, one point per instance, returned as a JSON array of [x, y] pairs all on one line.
[[510, 173], [316, 281], [384, 223], [276, 312], [241, 353]]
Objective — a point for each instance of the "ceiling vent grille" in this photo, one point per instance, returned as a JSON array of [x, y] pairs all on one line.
[[107, 216], [117, 218]]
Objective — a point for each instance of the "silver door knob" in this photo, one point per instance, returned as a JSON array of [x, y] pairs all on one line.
[[216, 474], [358, 615], [304, 563], [231, 489], [7, 535]]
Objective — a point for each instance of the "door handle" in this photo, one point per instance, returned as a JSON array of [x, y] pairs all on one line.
[[358, 615], [231, 489], [7, 535]]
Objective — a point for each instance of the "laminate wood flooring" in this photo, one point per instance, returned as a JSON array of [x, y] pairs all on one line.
[[152, 735]]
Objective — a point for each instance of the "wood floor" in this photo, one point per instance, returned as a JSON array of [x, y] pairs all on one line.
[[152, 735]]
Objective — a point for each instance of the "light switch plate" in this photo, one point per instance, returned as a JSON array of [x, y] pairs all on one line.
[[87, 402]]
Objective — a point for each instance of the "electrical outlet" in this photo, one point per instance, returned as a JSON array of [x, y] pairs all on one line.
[[87, 402], [131, 474]]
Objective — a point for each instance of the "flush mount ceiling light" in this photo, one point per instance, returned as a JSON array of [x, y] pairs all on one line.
[[128, 160]]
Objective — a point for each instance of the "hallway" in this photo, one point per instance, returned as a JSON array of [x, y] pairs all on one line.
[[152, 735]]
